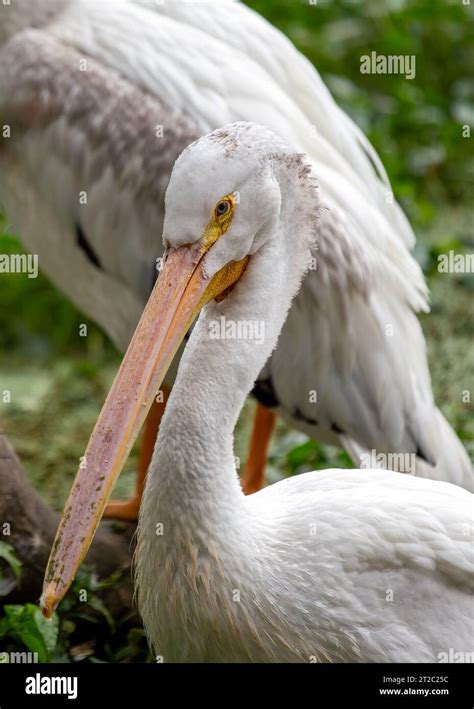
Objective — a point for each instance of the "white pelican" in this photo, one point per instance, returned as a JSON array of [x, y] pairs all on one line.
[[335, 566], [101, 98]]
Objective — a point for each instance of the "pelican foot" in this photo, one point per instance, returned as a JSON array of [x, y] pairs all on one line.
[[126, 510]]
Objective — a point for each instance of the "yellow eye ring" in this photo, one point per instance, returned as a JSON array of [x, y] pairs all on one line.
[[222, 208]]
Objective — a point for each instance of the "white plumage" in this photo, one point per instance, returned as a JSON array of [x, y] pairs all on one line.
[[337, 566], [352, 334], [334, 566]]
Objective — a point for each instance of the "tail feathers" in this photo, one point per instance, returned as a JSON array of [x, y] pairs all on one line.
[[450, 464], [452, 461]]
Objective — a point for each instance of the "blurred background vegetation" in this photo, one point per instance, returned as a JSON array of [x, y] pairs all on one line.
[[59, 380]]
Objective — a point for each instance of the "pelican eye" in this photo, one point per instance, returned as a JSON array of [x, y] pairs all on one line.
[[220, 221], [222, 208]]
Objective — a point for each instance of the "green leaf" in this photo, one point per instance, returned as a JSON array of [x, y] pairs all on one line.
[[99, 606], [28, 626], [302, 454], [7, 553]]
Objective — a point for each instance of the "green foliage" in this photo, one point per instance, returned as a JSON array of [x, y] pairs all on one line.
[[88, 631], [79, 630], [7, 553], [38, 321], [310, 455], [26, 625], [415, 125]]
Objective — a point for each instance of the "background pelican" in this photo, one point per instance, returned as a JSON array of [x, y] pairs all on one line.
[[300, 570], [89, 158]]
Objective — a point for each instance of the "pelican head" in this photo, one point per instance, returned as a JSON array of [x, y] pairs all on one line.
[[233, 194], [244, 183], [224, 184]]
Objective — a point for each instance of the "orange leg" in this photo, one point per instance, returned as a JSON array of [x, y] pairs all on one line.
[[253, 476], [129, 509]]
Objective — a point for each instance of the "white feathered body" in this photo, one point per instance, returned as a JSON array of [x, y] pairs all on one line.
[[332, 566], [307, 577]]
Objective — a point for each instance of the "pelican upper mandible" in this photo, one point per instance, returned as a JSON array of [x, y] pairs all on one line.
[[300, 570], [102, 97]]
